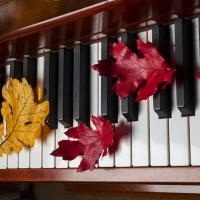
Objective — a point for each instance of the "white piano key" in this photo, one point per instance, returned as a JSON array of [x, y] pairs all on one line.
[[4, 158], [123, 132], [140, 129], [49, 145], [24, 157], [94, 84], [149, 35], [179, 136], [36, 151], [178, 125], [13, 160], [159, 143], [7, 74], [3, 161], [194, 120], [108, 160], [140, 137], [99, 80], [76, 162], [94, 92], [60, 135]]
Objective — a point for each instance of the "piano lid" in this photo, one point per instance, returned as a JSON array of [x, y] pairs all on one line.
[[17, 14], [20, 14]]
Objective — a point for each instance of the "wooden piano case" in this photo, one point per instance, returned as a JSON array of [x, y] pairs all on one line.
[[29, 26]]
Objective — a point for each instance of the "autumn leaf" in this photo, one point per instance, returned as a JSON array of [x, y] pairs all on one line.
[[198, 75], [142, 72], [90, 143], [23, 116]]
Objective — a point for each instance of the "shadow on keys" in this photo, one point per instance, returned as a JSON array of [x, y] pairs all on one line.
[[122, 131]]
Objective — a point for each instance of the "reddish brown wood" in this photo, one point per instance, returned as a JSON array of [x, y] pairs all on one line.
[[17, 14], [147, 175], [34, 29], [29, 31], [4, 1]]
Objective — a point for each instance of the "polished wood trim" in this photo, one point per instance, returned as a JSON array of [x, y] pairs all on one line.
[[18, 14], [116, 14], [143, 175]]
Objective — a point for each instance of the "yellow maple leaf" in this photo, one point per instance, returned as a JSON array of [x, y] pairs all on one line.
[[24, 117]]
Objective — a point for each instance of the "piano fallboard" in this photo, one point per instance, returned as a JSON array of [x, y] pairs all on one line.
[[49, 24]]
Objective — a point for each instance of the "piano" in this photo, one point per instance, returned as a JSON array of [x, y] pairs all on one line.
[[157, 142]]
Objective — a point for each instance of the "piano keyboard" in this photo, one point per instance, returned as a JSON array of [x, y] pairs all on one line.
[[149, 141]]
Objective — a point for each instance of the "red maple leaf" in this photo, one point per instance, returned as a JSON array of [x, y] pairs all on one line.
[[198, 75], [142, 72], [91, 143]]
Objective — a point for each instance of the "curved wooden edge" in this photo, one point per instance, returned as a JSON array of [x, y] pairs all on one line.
[[57, 20], [120, 9], [143, 175], [4, 1], [19, 14]]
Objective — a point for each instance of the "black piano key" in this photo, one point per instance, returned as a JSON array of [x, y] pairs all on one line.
[[65, 87], [30, 71], [109, 101], [16, 70], [129, 107], [184, 67], [51, 87], [2, 83], [81, 95], [162, 99]]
